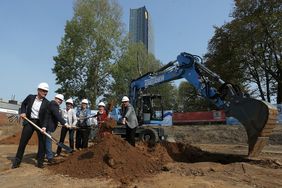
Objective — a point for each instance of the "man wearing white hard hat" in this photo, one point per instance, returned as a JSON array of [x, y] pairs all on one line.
[[34, 107], [129, 119], [53, 116], [71, 119], [82, 134]]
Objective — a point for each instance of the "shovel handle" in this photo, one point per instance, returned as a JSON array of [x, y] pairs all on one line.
[[37, 127], [68, 149]]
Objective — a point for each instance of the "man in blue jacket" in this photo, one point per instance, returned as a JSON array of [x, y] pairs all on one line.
[[52, 118], [34, 107]]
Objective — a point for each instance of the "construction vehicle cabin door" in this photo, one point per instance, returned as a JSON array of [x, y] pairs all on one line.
[[152, 109]]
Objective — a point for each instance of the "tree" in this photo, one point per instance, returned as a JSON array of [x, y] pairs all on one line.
[[258, 24], [221, 57], [91, 43], [189, 100], [251, 44], [135, 62]]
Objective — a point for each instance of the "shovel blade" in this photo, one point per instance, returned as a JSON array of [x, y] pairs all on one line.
[[68, 149]]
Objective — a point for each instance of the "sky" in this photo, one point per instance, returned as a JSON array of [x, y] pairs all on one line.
[[31, 30]]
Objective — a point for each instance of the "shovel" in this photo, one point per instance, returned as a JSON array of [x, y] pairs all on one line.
[[68, 149]]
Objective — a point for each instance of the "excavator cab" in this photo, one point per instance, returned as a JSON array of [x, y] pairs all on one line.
[[150, 109]]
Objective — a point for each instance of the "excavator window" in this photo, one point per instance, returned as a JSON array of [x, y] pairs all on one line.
[[152, 109]]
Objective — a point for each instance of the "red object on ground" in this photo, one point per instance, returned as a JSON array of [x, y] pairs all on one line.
[[199, 117]]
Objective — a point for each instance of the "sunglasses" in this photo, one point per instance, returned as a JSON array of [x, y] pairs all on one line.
[[45, 91]]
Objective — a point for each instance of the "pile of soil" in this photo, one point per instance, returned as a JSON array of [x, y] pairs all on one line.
[[112, 157], [3, 119], [15, 139]]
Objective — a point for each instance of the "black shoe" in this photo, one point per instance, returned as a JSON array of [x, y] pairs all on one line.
[[40, 165], [15, 165]]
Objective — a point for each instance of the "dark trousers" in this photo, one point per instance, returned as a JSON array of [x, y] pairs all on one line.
[[130, 135], [82, 137], [27, 132], [63, 136]]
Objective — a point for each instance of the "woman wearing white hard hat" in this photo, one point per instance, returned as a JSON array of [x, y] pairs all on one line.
[[102, 116], [34, 107], [129, 119], [71, 119], [82, 134], [53, 116]]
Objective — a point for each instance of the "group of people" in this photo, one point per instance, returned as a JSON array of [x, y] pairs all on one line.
[[36, 109]]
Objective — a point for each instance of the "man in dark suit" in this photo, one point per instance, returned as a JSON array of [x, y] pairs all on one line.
[[34, 107], [52, 118]]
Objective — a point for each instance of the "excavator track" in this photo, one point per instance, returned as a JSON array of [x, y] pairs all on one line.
[[265, 133], [259, 119]]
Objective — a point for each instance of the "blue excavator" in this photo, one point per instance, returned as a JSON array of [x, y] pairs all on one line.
[[258, 117]]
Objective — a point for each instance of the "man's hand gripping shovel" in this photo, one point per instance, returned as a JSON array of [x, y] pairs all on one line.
[[68, 149]]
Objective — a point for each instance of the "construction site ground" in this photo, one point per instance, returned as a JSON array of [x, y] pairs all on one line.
[[203, 156]]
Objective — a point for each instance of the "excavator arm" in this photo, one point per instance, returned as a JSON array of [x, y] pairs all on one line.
[[258, 117]]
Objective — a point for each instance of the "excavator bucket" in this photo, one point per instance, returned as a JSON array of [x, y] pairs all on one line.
[[259, 119]]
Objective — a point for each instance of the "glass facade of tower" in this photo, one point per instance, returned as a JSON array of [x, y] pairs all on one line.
[[140, 28]]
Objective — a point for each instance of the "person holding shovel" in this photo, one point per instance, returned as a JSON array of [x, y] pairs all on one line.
[[71, 119], [102, 116], [52, 118], [129, 119], [83, 124], [34, 107]]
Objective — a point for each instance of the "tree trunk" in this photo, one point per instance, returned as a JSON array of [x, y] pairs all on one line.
[[260, 90], [267, 86], [279, 93]]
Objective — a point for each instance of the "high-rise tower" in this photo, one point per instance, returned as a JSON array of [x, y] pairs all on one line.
[[140, 28]]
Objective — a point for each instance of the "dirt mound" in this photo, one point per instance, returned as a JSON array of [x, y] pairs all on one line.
[[112, 157], [3, 119], [183, 152], [15, 139]]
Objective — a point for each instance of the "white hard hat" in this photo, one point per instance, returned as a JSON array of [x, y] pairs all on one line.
[[43, 86], [69, 101], [60, 96], [101, 104], [84, 101], [124, 99]]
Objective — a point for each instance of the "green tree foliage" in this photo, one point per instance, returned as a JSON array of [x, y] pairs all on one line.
[[91, 43], [189, 100], [249, 47], [259, 25], [221, 57], [135, 62]]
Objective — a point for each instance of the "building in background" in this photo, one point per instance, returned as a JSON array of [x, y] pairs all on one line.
[[11, 107], [140, 28]]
